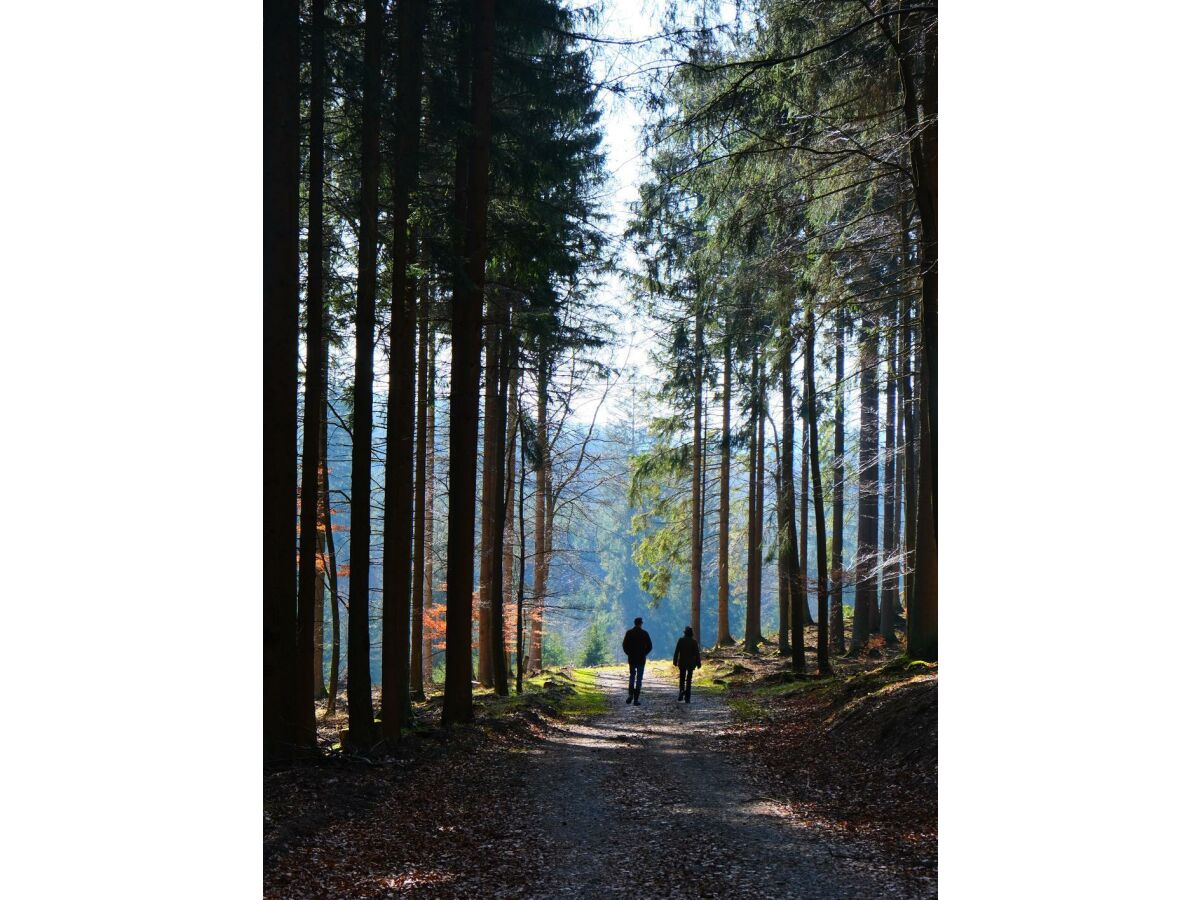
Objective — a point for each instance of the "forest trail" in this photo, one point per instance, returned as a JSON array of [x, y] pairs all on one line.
[[642, 801]]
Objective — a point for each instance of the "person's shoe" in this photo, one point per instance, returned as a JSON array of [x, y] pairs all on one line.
[[637, 698], [680, 700], [629, 699], [687, 698]]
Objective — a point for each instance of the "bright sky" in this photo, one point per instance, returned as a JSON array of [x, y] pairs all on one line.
[[622, 123]]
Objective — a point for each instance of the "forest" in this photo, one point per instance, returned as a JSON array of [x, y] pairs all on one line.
[[519, 390]]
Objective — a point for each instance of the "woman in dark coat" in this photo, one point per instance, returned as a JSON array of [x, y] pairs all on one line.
[[687, 658]]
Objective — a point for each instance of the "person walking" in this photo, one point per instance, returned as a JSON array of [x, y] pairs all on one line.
[[637, 646], [687, 658]]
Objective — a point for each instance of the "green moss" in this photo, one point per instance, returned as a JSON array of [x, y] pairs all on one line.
[[746, 709]]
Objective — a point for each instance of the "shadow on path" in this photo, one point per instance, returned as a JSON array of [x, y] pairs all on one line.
[[642, 801]]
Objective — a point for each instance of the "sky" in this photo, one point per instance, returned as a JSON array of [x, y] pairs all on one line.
[[621, 121]]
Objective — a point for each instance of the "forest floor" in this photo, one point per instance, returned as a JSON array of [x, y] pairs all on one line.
[[763, 786]]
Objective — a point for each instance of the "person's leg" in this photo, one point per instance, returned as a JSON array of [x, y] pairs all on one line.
[[687, 695], [629, 699], [682, 675], [637, 691]]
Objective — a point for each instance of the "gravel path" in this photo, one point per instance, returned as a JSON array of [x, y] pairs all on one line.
[[642, 801]]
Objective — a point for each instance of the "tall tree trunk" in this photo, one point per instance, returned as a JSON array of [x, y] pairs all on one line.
[[803, 513], [498, 674], [868, 487], [697, 462], [521, 579], [281, 334], [781, 559], [788, 486], [760, 489], [510, 486], [898, 525], [416, 604], [430, 484], [358, 646], [335, 614], [814, 450], [887, 576], [910, 458], [464, 384], [398, 506], [310, 590], [836, 624], [549, 543], [487, 492], [921, 115], [724, 638], [541, 562], [806, 618], [753, 553], [318, 655]]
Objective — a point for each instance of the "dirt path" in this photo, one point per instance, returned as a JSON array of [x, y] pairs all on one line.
[[642, 801]]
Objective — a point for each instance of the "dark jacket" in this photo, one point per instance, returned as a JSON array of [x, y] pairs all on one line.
[[687, 654], [637, 645]]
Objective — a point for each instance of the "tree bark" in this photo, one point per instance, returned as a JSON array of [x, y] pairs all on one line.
[[521, 579], [910, 459], [788, 487], [802, 608], [541, 492], [868, 496], [781, 559], [318, 646], [549, 543], [814, 450], [464, 384], [335, 614], [753, 553], [430, 484], [498, 673], [887, 578], [358, 647], [921, 114], [311, 625], [281, 334], [836, 624], [416, 605], [510, 486], [724, 638], [761, 486], [487, 498], [398, 511], [697, 500]]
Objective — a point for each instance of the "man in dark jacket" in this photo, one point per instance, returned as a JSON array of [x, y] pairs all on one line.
[[687, 658], [637, 647]]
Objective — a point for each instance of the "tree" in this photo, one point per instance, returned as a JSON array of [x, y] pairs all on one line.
[[331, 569], [753, 633], [837, 626], [282, 726], [464, 381], [724, 638], [430, 483], [697, 433], [868, 485], [423, 506], [358, 647], [787, 501], [887, 578], [310, 590], [818, 491], [398, 503]]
